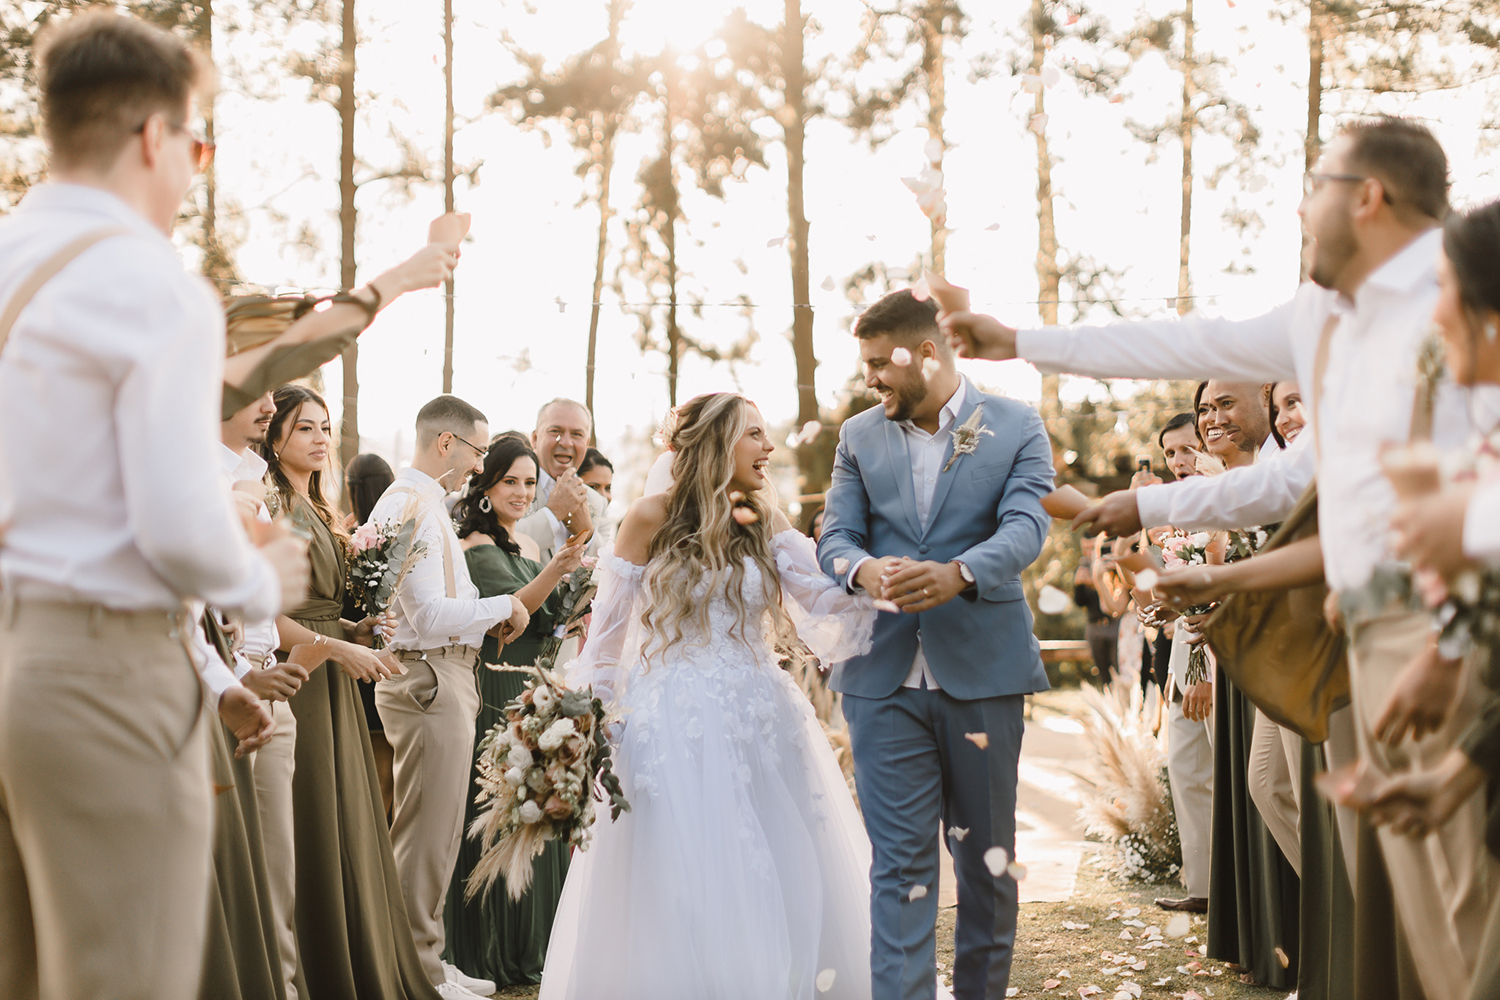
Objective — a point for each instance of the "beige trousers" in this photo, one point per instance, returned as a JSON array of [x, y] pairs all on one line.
[[429, 715], [1190, 769], [1342, 748], [1441, 884], [105, 814], [274, 765], [1275, 780]]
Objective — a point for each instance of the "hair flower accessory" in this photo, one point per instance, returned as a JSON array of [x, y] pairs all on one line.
[[966, 436]]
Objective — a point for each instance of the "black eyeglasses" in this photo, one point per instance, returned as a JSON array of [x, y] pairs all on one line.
[[1314, 182], [476, 447], [203, 150]]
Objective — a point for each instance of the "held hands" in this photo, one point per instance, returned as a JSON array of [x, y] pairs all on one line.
[[919, 586], [1429, 530], [1417, 803], [363, 664], [248, 718], [1189, 586], [569, 502], [1420, 699]]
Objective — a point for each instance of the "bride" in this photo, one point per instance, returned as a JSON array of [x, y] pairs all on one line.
[[742, 869]]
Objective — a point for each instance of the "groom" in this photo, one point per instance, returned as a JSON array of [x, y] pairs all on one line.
[[935, 505]]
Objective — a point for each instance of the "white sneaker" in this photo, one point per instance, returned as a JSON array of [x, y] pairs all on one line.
[[480, 987], [453, 991]]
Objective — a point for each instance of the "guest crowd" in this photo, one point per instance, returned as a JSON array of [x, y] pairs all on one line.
[[290, 820]]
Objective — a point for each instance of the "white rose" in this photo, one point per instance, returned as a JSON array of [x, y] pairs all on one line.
[[515, 777], [543, 700], [1200, 539], [530, 811], [520, 757], [556, 734]]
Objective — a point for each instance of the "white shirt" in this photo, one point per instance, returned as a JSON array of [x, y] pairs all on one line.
[[1365, 402], [262, 639], [926, 451], [1252, 495], [109, 420], [426, 617]]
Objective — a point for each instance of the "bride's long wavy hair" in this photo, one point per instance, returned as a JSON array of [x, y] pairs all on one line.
[[701, 541]]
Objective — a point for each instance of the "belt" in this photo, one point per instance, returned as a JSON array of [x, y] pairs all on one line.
[[96, 618], [1389, 591], [455, 651]]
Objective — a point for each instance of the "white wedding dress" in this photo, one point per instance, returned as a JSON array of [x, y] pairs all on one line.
[[742, 870]]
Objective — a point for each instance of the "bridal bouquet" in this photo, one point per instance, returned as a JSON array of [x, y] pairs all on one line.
[[539, 769], [1178, 550], [379, 557]]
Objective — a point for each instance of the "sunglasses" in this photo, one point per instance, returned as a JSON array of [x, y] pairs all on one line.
[[203, 150]]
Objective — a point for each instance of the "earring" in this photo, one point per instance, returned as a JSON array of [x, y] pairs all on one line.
[[484, 505]]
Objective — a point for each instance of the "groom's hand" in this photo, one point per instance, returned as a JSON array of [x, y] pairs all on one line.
[[921, 586]]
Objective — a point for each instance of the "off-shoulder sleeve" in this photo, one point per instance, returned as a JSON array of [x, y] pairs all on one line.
[[834, 623], [602, 664]]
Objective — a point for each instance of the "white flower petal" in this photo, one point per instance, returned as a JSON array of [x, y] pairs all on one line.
[[996, 859], [841, 565], [920, 291], [778, 241], [890, 606], [1147, 579], [1179, 926], [993, 227], [980, 740], [1050, 76], [828, 284], [900, 357], [810, 430], [917, 892], [1017, 871], [1031, 83], [930, 367], [916, 185], [933, 150], [825, 980], [1038, 124], [958, 833]]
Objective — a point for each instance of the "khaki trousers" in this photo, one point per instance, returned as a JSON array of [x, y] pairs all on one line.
[[1441, 884], [429, 715], [1190, 769], [105, 814], [1275, 779], [1342, 748], [274, 765]]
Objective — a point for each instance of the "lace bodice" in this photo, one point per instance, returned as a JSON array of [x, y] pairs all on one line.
[[834, 624]]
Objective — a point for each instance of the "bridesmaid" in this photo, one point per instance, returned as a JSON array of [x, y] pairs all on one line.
[[366, 479], [352, 932], [492, 936]]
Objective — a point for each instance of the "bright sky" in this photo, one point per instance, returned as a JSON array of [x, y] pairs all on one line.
[[523, 286]]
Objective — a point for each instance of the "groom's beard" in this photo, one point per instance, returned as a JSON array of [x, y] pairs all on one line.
[[904, 400]]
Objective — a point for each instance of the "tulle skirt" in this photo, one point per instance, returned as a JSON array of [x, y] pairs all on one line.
[[742, 870]]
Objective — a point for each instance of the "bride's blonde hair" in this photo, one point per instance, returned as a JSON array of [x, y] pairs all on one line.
[[701, 540]]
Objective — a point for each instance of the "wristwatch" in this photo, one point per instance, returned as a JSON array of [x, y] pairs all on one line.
[[965, 572]]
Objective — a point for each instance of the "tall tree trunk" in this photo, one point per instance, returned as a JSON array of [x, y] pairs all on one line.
[[813, 473], [448, 185], [934, 72], [604, 132], [669, 235], [1312, 144], [1188, 125], [349, 425], [1049, 277]]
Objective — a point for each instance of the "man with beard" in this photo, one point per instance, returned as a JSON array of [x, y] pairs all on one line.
[[1350, 335], [935, 508], [564, 504]]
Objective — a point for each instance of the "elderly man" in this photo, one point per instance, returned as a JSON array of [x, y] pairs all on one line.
[[564, 503]]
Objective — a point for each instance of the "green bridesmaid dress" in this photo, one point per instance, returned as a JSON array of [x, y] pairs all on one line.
[[492, 936]]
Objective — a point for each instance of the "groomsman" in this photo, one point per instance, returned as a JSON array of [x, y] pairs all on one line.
[[429, 711], [104, 780], [561, 441], [1350, 335]]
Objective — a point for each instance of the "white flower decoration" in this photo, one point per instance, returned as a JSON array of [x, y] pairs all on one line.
[[530, 811]]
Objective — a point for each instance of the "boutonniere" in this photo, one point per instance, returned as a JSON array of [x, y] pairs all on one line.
[[966, 436]]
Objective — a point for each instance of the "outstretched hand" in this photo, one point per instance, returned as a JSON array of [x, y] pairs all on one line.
[[1116, 514]]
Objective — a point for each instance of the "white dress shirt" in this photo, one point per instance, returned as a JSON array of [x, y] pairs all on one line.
[[261, 638], [926, 452], [1249, 496], [1365, 402], [426, 617], [109, 417], [604, 528]]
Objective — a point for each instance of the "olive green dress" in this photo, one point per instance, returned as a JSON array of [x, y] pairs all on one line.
[[1326, 967], [492, 936], [240, 960], [1253, 892], [353, 937]]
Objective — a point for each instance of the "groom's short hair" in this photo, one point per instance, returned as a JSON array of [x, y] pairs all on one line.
[[446, 413], [903, 317]]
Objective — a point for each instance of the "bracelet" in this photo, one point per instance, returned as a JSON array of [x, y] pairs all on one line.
[[320, 638], [370, 308]]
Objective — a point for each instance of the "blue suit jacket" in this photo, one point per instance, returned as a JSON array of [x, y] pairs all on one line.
[[986, 511]]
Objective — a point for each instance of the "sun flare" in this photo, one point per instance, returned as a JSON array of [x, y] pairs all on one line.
[[652, 25]]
